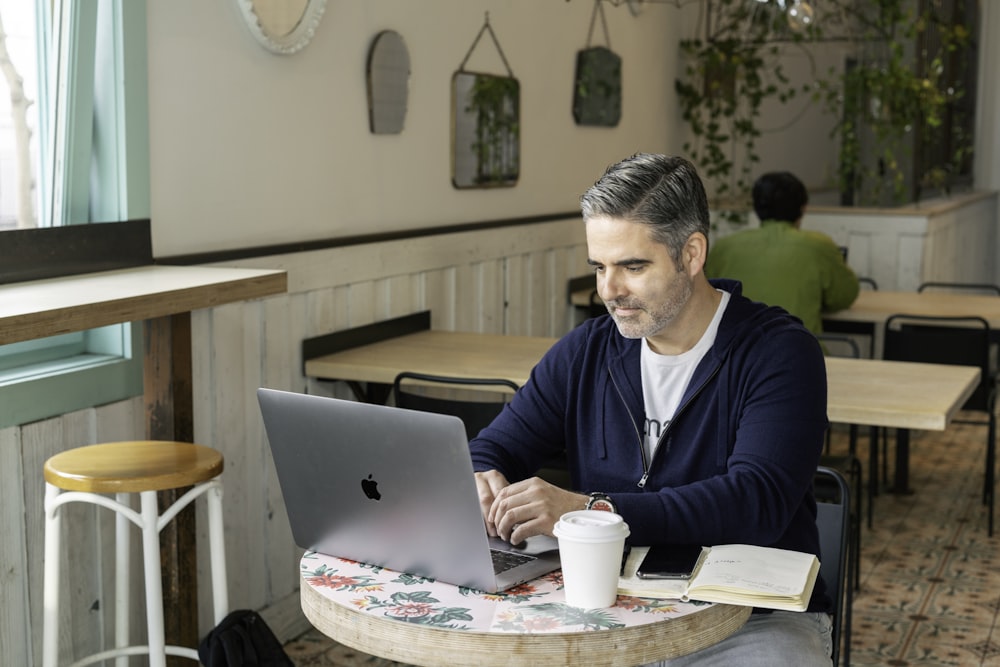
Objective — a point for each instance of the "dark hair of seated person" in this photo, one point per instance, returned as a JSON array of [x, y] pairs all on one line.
[[779, 195]]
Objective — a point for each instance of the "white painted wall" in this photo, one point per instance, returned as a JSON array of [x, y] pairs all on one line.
[[249, 148], [949, 239]]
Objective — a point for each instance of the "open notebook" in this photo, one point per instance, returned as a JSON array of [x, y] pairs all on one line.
[[738, 574]]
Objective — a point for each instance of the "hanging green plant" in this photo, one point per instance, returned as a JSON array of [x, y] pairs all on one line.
[[897, 98], [728, 76], [899, 108]]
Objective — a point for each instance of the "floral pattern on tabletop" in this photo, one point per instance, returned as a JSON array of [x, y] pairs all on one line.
[[536, 606]]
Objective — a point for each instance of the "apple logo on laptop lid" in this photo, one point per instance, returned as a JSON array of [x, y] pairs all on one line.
[[370, 487]]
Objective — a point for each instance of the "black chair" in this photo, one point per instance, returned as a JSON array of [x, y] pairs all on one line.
[[858, 329], [836, 345], [849, 465], [596, 307], [981, 289], [445, 395], [963, 341], [833, 510], [975, 288]]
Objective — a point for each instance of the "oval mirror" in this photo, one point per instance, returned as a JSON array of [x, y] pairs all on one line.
[[282, 26], [388, 83]]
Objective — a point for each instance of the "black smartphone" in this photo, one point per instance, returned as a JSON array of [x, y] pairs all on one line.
[[669, 561]]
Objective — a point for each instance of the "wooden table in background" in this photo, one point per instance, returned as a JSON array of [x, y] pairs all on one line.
[[163, 297], [868, 313], [896, 394], [416, 621], [468, 355]]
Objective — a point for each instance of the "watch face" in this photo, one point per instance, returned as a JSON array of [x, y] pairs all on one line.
[[602, 505]]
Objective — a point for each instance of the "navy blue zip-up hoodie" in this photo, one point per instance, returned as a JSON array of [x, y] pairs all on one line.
[[736, 463]]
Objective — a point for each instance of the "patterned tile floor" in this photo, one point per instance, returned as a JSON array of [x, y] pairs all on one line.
[[930, 576]]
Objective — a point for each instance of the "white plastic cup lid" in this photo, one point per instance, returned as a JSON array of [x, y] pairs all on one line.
[[591, 526]]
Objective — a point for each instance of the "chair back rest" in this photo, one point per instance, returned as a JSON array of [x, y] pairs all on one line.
[[833, 521], [868, 283], [962, 341], [976, 288], [839, 346], [596, 307], [476, 412]]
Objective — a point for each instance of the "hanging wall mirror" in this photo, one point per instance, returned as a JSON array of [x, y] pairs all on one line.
[[597, 87], [485, 111], [486, 125], [388, 83], [282, 26]]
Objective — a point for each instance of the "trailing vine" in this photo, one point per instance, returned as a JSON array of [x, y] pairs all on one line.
[[728, 76], [900, 94], [898, 97]]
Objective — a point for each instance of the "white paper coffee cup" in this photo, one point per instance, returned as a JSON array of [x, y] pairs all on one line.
[[591, 543]]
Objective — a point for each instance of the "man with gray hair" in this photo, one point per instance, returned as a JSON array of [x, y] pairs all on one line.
[[691, 411]]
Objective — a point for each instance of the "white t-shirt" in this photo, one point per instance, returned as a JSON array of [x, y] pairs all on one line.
[[665, 377]]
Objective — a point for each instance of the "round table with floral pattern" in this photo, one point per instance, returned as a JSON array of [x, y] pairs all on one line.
[[421, 621]]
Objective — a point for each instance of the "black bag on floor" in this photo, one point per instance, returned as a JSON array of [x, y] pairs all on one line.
[[242, 639]]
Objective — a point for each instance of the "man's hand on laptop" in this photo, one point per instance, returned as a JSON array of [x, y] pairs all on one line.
[[521, 510]]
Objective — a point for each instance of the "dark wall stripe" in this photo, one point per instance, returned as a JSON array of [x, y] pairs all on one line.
[[323, 244], [51, 252]]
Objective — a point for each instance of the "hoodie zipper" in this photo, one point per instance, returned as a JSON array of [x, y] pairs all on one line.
[[648, 464]]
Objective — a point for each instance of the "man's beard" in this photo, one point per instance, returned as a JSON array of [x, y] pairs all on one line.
[[649, 322]]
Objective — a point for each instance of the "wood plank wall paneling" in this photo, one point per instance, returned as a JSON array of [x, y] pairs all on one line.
[[492, 280], [15, 622]]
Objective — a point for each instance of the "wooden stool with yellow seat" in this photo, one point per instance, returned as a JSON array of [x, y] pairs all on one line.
[[92, 474]]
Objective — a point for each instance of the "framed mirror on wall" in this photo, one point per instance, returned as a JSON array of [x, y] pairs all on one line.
[[486, 132], [597, 86], [597, 90], [282, 26], [388, 77], [485, 124]]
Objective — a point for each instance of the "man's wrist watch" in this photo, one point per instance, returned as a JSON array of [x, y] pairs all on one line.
[[602, 502]]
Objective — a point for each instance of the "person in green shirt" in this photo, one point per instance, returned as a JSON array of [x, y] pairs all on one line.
[[780, 264]]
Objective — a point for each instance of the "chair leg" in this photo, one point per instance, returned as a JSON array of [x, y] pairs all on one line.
[[50, 589], [217, 544], [885, 455], [857, 524], [989, 492], [154, 585], [123, 544], [872, 471]]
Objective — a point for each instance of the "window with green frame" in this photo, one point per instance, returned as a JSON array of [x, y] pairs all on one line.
[[91, 165]]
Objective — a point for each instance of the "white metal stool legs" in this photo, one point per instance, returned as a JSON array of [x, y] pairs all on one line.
[[123, 544], [50, 588], [151, 523], [217, 552], [154, 585]]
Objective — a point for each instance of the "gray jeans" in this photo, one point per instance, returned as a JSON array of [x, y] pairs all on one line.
[[769, 640]]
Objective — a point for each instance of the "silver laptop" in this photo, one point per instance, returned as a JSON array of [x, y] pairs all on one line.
[[390, 487]]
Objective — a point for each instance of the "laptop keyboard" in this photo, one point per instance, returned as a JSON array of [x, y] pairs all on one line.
[[506, 560]]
